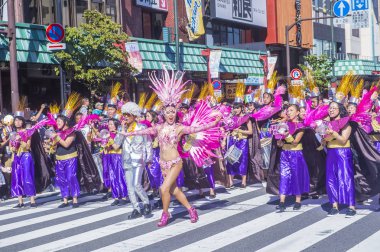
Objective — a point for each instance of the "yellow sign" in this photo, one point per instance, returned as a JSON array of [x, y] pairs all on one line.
[[195, 27], [230, 91]]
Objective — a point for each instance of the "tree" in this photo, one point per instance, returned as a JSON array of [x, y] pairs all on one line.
[[321, 67], [92, 54]]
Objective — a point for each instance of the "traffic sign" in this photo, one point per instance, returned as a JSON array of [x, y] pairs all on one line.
[[357, 5], [296, 74], [56, 46], [217, 85], [360, 19], [341, 8], [55, 33]]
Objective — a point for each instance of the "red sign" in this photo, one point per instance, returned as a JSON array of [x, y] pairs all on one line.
[[296, 74], [55, 33], [216, 85]]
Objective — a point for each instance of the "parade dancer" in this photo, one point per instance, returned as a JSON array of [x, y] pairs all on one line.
[[294, 175], [339, 164], [169, 90], [113, 164], [22, 178], [237, 142], [66, 155], [137, 153]]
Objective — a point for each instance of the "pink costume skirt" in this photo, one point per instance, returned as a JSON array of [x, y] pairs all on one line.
[[167, 165]]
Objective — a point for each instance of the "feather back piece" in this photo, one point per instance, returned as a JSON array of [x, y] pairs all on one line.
[[22, 104], [204, 92], [170, 87]]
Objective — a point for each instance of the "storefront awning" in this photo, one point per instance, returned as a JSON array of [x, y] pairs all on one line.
[[154, 53], [360, 67], [30, 43]]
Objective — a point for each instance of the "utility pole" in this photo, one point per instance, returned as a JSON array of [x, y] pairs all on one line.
[[332, 46], [13, 55], [177, 65]]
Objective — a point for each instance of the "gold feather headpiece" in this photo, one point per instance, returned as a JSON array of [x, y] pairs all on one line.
[[344, 87], [272, 83], [239, 93], [73, 102], [356, 92]]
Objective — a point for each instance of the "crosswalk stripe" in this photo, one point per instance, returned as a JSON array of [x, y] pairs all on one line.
[[124, 225], [180, 228], [314, 233], [61, 227], [370, 244], [46, 207], [48, 217], [239, 232]]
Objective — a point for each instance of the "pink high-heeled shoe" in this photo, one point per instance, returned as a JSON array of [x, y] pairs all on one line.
[[193, 215], [164, 219]]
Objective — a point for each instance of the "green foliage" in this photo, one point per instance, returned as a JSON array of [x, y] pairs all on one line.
[[91, 56], [321, 67]]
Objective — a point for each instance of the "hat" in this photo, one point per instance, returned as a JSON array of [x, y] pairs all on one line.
[[157, 106], [115, 89], [149, 104], [187, 96], [21, 107], [344, 87], [356, 92], [272, 83], [310, 83], [54, 109], [239, 93], [204, 92], [131, 108], [73, 102]]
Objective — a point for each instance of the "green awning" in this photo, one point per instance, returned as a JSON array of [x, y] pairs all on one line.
[[154, 53], [360, 67], [30, 43]]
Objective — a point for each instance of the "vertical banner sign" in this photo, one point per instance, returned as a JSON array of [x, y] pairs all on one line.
[[272, 60], [195, 26], [134, 57], [214, 62]]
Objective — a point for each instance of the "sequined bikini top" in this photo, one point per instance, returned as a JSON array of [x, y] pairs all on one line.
[[167, 136]]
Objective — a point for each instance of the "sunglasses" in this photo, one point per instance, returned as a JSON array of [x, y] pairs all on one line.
[[127, 115]]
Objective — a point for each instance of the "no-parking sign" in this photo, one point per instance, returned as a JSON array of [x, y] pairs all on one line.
[[55, 33], [296, 74]]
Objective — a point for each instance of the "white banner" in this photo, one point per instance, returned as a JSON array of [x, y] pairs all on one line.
[[272, 60], [253, 12], [134, 55], [214, 62]]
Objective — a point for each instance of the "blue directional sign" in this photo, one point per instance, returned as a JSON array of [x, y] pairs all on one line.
[[357, 5], [341, 8]]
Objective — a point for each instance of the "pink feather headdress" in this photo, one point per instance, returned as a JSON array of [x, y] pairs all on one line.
[[170, 87]]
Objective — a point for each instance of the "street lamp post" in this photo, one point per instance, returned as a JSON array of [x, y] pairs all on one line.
[[287, 29]]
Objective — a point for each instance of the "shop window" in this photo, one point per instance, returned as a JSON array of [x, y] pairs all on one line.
[[81, 7], [157, 24], [97, 5], [31, 12], [356, 33], [47, 12], [111, 9], [230, 35], [147, 27]]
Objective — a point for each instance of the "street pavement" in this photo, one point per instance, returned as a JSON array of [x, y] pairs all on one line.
[[237, 220]]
